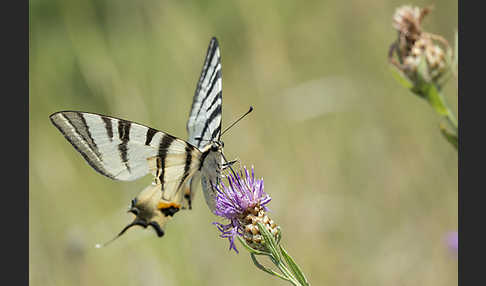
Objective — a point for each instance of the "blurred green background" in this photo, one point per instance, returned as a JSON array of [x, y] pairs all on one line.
[[363, 184]]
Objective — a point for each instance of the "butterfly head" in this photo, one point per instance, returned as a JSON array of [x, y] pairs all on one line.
[[217, 146]]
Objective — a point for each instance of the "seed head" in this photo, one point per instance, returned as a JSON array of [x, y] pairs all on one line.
[[414, 45]]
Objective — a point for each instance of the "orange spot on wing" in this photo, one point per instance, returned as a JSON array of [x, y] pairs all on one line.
[[162, 205]]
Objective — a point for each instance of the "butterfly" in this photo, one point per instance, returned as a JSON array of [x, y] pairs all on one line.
[[124, 150]]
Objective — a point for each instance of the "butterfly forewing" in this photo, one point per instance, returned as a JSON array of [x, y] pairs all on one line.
[[118, 148], [204, 122]]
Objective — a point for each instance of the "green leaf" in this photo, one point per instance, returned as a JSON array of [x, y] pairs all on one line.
[[268, 270], [449, 136], [401, 77], [252, 250], [294, 267], [423, 71], [269, 240], [423, 79], [279, 235]]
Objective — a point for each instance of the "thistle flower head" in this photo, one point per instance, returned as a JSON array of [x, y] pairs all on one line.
[[244, 203]]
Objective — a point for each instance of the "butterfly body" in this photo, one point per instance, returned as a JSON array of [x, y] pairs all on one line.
[[124, 150], [211, 172]]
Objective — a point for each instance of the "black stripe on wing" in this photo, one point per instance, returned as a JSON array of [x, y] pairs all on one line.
[[109, 128], [124, 135], [163, 149], [187, 166], [150, 134], [212, 82], [216, 98], [83, 132], [212, 48], [209, 122]]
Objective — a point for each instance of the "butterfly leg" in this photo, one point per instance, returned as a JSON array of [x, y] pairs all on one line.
[[230, 163]]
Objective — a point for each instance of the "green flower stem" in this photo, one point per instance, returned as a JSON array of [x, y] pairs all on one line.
[[437, 100], [291, 272], [452, 119], [287, 273], [435, 97], [428, 90], [449, 136]]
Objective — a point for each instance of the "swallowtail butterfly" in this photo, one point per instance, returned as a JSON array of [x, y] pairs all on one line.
[[124, 150]]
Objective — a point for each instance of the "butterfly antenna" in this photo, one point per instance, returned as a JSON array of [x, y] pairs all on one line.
[[241, 117]]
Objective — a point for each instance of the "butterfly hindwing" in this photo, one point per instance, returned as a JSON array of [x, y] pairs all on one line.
[[172, 170]]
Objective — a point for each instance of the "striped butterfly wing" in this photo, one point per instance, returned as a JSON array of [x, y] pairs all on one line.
[[125, 150], [204, 124]]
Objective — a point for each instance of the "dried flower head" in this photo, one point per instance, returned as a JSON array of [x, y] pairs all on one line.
[[243, 202], [415, 45], [407, 21], [433, 54]]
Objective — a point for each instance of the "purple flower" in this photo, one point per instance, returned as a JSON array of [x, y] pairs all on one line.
[[452, 241], [243, 202]]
